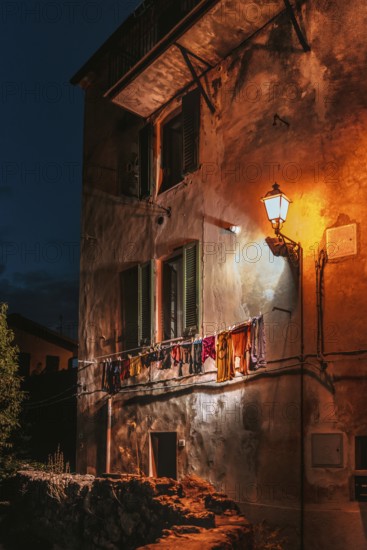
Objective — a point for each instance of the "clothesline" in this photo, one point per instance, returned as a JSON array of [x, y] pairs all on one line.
[[242, 348], [180, 339]]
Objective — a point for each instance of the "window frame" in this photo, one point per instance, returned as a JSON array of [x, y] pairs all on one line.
[[142, 340], [190, 113], [184, 250]]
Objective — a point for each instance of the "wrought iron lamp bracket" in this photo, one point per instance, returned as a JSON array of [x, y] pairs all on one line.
[[281, 245]]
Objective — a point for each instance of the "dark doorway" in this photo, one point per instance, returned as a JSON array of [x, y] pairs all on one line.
[[164, 454]]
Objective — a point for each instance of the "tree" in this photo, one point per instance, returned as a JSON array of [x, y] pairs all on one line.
[[11, 395]]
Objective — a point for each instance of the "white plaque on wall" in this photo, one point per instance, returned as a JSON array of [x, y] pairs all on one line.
[[341, 241]]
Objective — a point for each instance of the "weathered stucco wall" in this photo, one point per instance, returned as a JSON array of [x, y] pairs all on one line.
[[319, 159]]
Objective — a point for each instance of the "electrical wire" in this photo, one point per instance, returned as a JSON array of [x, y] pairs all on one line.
[[51, 404], [181, 340], [142, 387], [53, 396]]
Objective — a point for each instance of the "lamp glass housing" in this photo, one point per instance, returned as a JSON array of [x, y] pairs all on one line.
[[276, 205]]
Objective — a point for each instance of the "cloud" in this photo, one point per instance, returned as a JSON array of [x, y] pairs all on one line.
[[43, 298]]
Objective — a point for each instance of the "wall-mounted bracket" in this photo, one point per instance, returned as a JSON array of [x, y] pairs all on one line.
[[284, 246], [186, 55], [297, 28]]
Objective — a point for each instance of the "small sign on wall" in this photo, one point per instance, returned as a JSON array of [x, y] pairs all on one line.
[[327, 450], [341, 241]]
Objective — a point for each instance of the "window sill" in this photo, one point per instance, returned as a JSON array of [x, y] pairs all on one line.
[[182, 183]]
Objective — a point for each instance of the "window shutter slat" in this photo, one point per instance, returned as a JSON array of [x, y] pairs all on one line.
[[191, 294], [145, 325], [129, 306], [167, 300], [191, 131], [145, 160]]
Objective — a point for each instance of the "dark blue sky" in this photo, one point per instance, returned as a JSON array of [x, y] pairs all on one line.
[[43, 43]]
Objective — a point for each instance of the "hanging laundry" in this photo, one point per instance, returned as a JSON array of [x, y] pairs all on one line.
[[257, 350], [165, 358], [224, 357], [104, 366], [116, 376], [186, 358], [153, 356], [208, 348], [149, 358], [145, 360], [198, 361], [176, 355], [111, 375], [125, 369], [239, 341], [135, 366]]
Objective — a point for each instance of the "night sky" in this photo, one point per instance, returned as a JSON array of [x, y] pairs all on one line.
[[43, 44]]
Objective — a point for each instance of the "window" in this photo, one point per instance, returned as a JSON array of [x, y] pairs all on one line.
[[136, 305], [172, 297], [135, 174], [180, 142], [180, 293], [172, 153], [361, 452]]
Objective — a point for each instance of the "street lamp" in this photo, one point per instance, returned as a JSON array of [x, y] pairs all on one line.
[[276, 204]]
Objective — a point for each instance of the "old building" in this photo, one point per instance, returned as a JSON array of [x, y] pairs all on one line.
[[47, 364], [193, 110], [41, 350]]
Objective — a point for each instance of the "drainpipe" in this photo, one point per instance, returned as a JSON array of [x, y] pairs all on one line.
[[108, 435], [302, 391]]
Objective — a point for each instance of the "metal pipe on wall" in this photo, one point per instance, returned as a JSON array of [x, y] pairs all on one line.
[[108, 435]]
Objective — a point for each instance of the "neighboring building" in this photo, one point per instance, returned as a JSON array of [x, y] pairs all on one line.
[[41, 350], [193, 109], [47, 363]]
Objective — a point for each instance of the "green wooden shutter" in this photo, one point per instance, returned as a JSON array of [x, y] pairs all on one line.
[[167, 301], [191, 130], [191, 288], [145, 303], [129, 307], [146, 160]]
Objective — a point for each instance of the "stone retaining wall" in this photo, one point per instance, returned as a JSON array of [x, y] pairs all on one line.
[[87, 513]]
